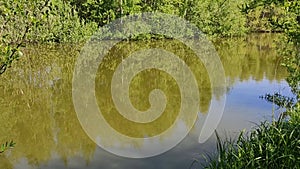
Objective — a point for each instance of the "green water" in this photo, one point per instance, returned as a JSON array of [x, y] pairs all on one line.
[[37, 111]]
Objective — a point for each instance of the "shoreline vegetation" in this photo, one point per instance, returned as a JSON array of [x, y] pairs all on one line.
[[59, 21], [272, 144]]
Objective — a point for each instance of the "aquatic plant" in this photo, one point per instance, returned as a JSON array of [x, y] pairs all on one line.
[[6, 146]]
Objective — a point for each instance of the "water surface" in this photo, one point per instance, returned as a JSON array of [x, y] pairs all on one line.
[[37, 111]]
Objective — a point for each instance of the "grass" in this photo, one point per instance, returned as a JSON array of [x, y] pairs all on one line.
[[269, 145], [6, 146]]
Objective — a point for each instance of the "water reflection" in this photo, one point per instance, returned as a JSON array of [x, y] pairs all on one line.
[[146, 81], [38, 114]]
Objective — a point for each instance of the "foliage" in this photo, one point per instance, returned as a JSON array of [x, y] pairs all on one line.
[[24, 21], [219, 18], [215, 18], [47, 21], [11, 39], [59, 22], [101, 12], [260, 18], [273, 15], [104, 12], [6, 146]]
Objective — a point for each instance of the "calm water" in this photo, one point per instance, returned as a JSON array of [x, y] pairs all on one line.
[[37, 110]]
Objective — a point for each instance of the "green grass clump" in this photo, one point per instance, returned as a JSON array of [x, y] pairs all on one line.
[[269, 145]]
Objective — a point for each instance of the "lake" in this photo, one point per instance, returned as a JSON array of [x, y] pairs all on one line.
[[38, 112]]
